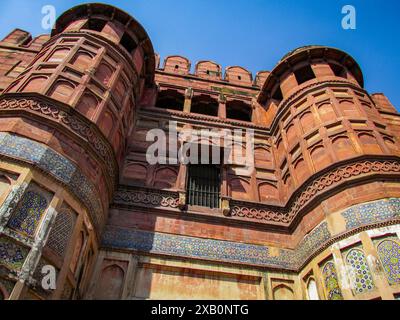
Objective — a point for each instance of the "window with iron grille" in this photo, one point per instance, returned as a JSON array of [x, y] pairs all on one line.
[[204, 186]]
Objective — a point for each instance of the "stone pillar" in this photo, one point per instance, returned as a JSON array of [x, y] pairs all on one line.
[[341, 272], [376, 267], [95, 276], [129, 286], [13, 198], [222, 106], [34, 255], [188, 100]]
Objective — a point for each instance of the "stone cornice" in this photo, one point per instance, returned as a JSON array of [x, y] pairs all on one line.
[[70, 119], [203, 119]]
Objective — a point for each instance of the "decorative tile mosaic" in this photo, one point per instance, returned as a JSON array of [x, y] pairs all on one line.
[[29, 212], [372, 212], [23, 239], [58, 166], [312, 241], [12, 255], [208, 249], [361, 277], [331, 282], [189, 247], [389, 253]]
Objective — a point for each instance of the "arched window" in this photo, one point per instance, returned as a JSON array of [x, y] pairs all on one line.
[[206, 105], [312, 290], [29, 212], [238, 110], [360, 274], [331, 282], [389, 253], [170, 99]]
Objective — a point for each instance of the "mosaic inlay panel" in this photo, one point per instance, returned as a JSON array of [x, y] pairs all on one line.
[[373, 212], [12, 255], [208, 249], [29, 212], [58, 166], [189, 247], [331, 282], [361, 277], [314, 240], [389, 253]]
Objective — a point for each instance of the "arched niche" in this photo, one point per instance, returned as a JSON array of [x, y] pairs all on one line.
[[283, 292], [267, 192], [165, 178], [111, 282], [312, 290], [240, 189]]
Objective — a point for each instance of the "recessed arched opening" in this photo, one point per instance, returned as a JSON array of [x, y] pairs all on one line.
[[277, 95], [338, 70], [304, 74], [238, 110], [206, 105], [128, 43], [95, 25], [170, 99]]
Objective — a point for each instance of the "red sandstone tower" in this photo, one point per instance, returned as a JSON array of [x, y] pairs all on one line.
[[320, 202]]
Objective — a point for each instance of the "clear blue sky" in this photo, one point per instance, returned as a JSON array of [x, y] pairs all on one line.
[[252, 33]]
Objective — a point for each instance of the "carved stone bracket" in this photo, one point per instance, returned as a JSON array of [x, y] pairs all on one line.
[[147, 198], [182, 201], [286, 215], [226, 206]]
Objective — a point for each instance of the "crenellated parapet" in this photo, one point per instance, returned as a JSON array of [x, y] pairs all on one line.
[[212, 71]]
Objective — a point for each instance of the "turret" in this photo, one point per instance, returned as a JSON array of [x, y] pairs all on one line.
[[66, 119], [323, 115]]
